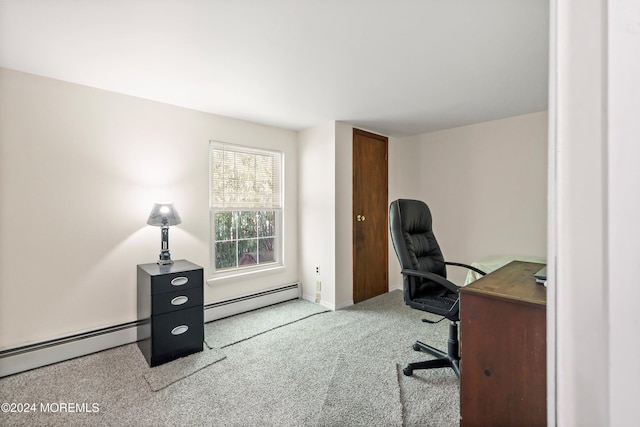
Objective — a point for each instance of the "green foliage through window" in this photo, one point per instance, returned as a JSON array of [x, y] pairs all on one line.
[[244, 238]]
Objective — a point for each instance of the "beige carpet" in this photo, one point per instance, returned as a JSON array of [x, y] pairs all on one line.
[[353, 400], [166, 374], [232, 330], [334, 368]]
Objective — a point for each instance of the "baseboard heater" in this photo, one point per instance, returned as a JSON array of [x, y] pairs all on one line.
[[20, 359], [230, 307]]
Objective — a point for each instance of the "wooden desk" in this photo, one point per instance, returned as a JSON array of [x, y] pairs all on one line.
[[503, 349]]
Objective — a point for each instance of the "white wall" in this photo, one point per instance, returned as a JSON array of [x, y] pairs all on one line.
[[326, 212], [344, 214], [485, 185], [597, 205], [80, 169], [316, 211], [403, 169], [623, 216], [580, 285]]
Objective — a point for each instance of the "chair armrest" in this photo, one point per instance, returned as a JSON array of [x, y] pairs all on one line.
[[457, 264], [433, 277]]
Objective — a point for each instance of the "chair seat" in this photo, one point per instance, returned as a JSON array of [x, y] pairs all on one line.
[[443, 302], [440, 305]]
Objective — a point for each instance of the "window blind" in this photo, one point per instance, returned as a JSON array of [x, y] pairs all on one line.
[[244, 178]]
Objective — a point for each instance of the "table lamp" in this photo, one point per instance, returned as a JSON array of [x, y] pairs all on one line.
[[164, 215]]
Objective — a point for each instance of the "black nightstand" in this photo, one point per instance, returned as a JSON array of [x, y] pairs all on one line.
[[170, 310]]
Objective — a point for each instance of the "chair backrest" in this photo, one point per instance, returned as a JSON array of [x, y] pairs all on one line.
[[411, 229]]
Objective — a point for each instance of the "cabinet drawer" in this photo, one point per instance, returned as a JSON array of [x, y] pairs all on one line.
[[177, 334], [178, 300], [178, 281]]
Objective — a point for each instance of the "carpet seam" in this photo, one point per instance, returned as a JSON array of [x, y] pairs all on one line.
[[264, 332], [182, 378], [402, 395]]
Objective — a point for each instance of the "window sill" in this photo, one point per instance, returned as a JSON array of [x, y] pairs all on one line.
[[246, 274]]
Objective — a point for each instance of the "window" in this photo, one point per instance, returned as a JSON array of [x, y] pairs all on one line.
[[245, 208]]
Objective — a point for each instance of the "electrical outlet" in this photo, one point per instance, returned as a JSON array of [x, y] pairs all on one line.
[[317, 270]]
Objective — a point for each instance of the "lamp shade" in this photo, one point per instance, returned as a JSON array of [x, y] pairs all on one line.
[[164, 214]]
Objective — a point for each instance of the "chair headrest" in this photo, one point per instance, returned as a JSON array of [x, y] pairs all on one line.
[[412, 235], [415, 216]]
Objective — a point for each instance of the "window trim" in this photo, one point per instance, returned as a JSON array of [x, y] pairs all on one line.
[[238, 275]]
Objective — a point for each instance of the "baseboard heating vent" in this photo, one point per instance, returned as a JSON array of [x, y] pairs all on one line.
[[233, 306], [20, 359]]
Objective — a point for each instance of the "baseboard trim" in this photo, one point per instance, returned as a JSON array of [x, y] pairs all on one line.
[[332, 307], [345, 305], [25, 358], [312, 298]]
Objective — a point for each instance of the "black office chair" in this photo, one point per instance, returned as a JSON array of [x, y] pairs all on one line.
[[425, 281]]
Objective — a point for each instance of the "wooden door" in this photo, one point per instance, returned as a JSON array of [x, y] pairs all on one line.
[[370, 215]]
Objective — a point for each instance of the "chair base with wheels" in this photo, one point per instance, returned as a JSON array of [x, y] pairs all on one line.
[[450, 359]]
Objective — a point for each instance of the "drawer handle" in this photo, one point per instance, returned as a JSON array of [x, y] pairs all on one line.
[[179, 330], [179, 281], [179, 300]]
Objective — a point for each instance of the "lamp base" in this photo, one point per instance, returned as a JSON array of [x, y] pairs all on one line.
[[165, 258]]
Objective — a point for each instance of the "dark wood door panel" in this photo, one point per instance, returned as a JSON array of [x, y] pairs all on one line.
[[370, 218]]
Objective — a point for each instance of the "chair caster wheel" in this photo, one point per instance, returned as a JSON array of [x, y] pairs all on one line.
[[416, 347], [407, 371]]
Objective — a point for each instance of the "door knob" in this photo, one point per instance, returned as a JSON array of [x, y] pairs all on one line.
[[360, 218]]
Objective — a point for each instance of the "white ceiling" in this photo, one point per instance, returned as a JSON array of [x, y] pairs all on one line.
[[398, 67]]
